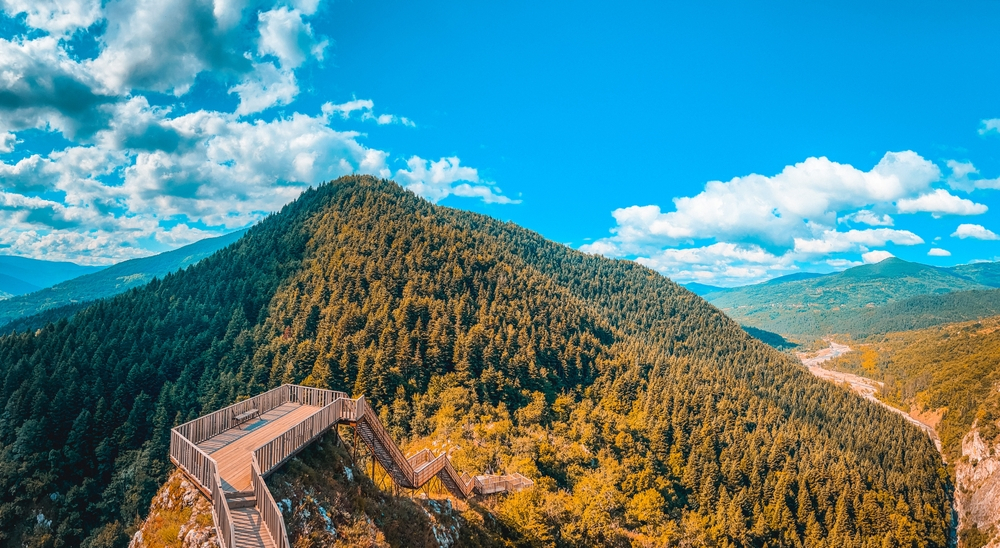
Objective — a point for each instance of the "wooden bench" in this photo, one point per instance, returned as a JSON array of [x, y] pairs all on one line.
[[243, 417]]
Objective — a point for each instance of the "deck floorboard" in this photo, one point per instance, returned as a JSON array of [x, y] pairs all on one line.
[[232, 448]]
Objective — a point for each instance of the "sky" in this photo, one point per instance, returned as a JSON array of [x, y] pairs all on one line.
[[718, 142]]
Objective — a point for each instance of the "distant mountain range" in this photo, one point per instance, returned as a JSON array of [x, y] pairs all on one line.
[[21, 275], [98, 283], [888, 296]]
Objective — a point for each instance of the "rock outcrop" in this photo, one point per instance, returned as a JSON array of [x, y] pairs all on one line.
[[977, 494], [180, 516]]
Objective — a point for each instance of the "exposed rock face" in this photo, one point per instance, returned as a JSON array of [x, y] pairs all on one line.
[[179, 517], [977, 497]]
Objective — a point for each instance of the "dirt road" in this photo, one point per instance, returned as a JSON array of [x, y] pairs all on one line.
[[865, 387]]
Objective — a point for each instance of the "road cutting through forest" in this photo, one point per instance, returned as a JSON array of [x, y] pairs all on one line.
[[865, 387]]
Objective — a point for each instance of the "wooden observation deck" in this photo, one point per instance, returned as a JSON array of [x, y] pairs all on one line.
[[228, 461]]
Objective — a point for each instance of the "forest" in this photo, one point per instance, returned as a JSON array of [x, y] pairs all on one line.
[[645, 415]]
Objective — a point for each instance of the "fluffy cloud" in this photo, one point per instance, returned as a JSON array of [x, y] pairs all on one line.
[[42, 87], [867, 217], [876, 256], [800, 202], [938, 252], [367, 109], [940, 202], [55, 16], [961, 177], [838, 242], [285, 35], [990, 126], [977, 232], [720, 263], [445, 177], [136, 177]]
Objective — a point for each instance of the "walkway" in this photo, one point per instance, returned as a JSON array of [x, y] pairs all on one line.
[[229, 462]]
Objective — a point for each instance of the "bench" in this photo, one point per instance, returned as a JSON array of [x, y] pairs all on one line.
[[243, 417]]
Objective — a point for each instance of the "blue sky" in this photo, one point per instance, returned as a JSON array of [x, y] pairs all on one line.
[[720, 142]]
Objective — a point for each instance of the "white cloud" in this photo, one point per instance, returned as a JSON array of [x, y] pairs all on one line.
[[285, 35], [720, 263], [437, 180], [55, 16], [988, 126], [7, 142], [839, 242], [265, 87], [876, 256], [867, 217], [977, 232], [940, 202], [960, 177], [137, 178], [800, 202], [366, 108], [42, 87], [938, 252]]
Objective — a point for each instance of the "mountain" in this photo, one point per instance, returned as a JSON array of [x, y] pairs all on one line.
[[702, 289], [20, 275], [833, 303], [111, 280], [984, 273], [10, 286], [947, 376], [644, 415]]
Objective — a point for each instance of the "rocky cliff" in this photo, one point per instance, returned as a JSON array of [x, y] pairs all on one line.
[[977, 497]]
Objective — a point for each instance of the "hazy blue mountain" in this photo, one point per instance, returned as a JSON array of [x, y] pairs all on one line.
[[984, 273], [20, 275], [814, 305], [111, 280], [702, 289]]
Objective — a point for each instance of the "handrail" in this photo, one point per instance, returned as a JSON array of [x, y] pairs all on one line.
[[335, 407], [217, 422], [399, 459], [270, 513], [280, 448], [220, 511]]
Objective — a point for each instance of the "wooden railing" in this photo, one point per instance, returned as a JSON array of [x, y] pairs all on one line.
[[215, 423], [334, 408], [205, 471], [270, 513], [365, 413], [276, 452], [193, 460], [220, 511]]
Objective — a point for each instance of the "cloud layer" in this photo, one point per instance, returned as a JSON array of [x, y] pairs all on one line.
[[754, 227], [139, 175]]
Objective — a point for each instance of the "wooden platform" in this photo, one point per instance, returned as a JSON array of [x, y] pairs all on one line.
[[232, 448]]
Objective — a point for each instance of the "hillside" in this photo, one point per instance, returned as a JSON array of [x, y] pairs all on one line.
[[949, 374], [845, 302], [20, 275], [112, 280], [644, 414]]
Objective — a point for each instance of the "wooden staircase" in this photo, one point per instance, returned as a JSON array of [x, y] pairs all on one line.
[[252, 518]]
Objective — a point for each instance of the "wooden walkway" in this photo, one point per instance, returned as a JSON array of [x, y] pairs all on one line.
[[232, 448], [229, 462]]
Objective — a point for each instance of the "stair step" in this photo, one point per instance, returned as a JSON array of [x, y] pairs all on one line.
[[241, 502]]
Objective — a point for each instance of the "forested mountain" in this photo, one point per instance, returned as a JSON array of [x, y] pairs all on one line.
[[644, 414], [112, 280], [949, 374], [813, 305], [20, 275]]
